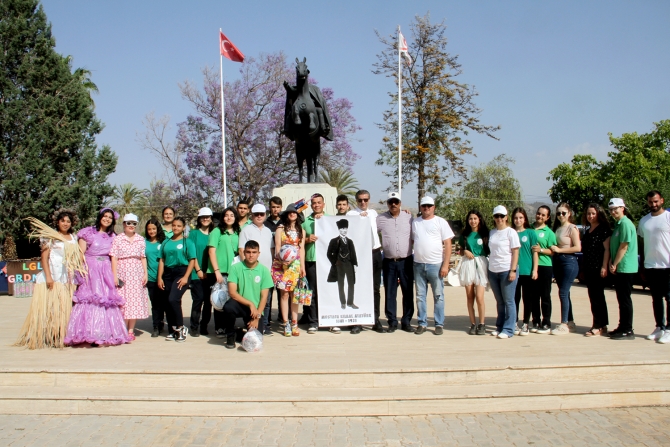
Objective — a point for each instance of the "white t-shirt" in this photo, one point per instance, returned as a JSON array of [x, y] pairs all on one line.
[[263, 236], [428, 236], [656, 233], [372, 217], [501, 243]]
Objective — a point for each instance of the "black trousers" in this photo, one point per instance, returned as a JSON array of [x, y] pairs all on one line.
[[595, 285], [401, 271], [201, 289], [377, 280], [526, 288], [345, 270], [659, 283], [544, 277], [233, 310], [157, 304], [175, 316], [623, 284], [312, 311]]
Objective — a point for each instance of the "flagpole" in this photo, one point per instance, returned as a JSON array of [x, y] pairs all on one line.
[[399, 118], [223, 135]]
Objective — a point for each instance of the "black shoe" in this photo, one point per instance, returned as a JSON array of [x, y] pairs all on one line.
[[194, 333], [420, 330], [203, 331], [392, 329], [481, 329], [344, 306], [623, 335], [379, 328], [353, 306], [407, 328], [355, 330], [439, 330], [155, 333], [614, 332], [473, 329], [230, 342]]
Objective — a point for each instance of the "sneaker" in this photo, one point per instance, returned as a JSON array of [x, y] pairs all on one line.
[[220, 333], [312, 330], [230, 342], [534, 328], [516, 329], [524, 330], [665, 338], [494, 333], [194, 332], [657, 334], [622, 335], [561, 329], [481, 329], [545, 329], [334, 330], [170, 336], [420, 330], [572, 327], [439, 330], [502, 335], [181, 335], [155, 333], [287, 329], [473, 329], [267, 331]]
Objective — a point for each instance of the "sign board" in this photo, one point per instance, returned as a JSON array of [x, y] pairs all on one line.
[[21, 276]]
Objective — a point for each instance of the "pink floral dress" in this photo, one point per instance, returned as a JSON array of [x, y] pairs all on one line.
[[130, 270]]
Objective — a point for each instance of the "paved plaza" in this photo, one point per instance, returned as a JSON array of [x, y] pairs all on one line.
[[644, 426]]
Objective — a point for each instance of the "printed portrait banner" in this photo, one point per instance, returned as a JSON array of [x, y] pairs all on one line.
[[344, 271]]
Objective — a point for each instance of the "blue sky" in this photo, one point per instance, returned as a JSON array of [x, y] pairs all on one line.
[[557, 76]]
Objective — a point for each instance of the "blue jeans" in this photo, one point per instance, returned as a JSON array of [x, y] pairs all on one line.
[[424, 274], [504, 290], [565, 272]]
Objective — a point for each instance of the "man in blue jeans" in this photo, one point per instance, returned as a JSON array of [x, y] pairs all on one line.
[[432, 252]]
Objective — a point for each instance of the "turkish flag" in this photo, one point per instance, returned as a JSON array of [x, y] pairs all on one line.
[[229, 50]]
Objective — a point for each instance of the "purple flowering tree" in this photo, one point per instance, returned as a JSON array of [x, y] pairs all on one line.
[[258, 156]]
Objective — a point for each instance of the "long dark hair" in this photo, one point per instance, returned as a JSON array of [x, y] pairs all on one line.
[[601, 215], [482, 230], [98, 224], [548, 222], [521, 210], [236, 225], [160, 234], [283, 221], [571, 217]]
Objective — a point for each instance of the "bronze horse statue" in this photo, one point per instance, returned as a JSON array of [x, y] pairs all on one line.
[[306, 120]]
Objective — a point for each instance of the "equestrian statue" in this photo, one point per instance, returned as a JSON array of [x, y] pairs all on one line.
[[306, 120]]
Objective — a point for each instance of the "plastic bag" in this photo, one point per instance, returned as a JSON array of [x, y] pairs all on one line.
[[219, 296], [253, 341]]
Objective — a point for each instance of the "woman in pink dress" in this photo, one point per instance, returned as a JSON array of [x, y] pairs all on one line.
[[129, 266], [96, 317]]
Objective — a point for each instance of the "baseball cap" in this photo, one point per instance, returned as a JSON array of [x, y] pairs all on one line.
[[130, 217], [500, 210], [427, 201], [205, 212], [616, 202], [258, 208], [393, 195]]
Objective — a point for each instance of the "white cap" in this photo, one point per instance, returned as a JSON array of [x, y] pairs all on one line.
[[427, 201], [258, 208], [393, 195], [500, 210], [616, 202], [205, 212], [130, 217]]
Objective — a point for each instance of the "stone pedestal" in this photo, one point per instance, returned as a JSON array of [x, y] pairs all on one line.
[[293, 192]]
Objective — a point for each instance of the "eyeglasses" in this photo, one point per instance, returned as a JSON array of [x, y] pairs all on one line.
[[393, 202], [499, 216], [131, 224], [561, 213], [362, 200], [259, 214]]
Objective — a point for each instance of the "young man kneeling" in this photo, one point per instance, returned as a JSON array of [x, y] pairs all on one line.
[[248, 285]]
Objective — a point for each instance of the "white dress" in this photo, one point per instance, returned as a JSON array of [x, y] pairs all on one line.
[[57, 266]]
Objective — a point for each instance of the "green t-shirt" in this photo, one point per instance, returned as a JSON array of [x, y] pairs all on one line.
[[168, 233], [475, 244], [624, 231], [200, 241], [310, 247], [249, 281], [152, 252], [176, 253], [546, 238], [527, 238], [226, 245]]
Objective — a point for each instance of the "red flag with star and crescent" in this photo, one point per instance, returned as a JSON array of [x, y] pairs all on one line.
[[229, 50]]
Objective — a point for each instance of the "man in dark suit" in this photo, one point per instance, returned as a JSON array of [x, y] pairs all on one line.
[[342, 257]]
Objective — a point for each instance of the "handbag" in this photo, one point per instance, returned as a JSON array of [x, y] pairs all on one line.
[[219, 296], [302, 294]]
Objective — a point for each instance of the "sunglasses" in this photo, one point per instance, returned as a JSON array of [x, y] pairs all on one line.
[[561, 213], [362, 200], [131, 224], [614, 208], [426, 206], [499, 216], [394, 202], [258, 214]]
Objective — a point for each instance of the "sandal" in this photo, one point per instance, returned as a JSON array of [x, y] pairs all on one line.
[[295, 332], [593, 332]]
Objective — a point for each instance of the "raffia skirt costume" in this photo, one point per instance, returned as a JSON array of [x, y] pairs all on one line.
[[284, 276], [47, 320], [96, 316]]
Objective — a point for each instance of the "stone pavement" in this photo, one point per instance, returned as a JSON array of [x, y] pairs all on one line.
[[643, 426]]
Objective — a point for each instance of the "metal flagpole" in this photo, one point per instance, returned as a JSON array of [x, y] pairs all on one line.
[[399, 118], [223, 135]]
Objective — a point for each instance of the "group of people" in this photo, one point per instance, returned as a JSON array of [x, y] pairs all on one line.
[[257, 253]]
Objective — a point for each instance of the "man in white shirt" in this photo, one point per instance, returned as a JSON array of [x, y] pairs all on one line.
[[363, 201], [654, 229], [432, 252]]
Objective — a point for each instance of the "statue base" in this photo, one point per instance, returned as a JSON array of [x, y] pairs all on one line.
[[291, 193]]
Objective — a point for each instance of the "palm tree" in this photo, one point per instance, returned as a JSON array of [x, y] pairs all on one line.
[[127, 198], [83, 76], [343, 180]]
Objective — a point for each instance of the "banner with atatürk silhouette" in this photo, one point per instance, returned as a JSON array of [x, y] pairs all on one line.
[[344, 270]]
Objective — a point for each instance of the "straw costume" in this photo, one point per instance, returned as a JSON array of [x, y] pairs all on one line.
[[47, 320]]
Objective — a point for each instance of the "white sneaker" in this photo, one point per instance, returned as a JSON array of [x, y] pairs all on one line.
[[665, 338], [516, 330], [495, 333], [501, 335], [311, 330], [335, 330], [656, 335], [561, 329], [524, 330]]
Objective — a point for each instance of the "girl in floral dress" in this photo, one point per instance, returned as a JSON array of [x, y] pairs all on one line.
[[286, 274], [129, 265]]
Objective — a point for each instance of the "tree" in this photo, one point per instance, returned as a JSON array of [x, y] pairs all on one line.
[[488, 185], [127, 198], [638, 164], [438, 110], [341, 179], [259, 157], [48, 154]]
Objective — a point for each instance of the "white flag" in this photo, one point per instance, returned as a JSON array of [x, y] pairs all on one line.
[[402, 47]]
